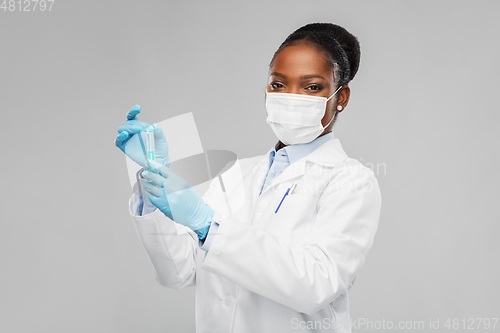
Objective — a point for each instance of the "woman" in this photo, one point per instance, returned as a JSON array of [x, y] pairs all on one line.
[[280, 248]]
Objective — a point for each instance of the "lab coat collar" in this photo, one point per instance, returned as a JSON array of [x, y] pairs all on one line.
[[298, 151], [328, 154]]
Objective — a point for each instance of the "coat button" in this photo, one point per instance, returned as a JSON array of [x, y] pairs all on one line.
[[229, 300]]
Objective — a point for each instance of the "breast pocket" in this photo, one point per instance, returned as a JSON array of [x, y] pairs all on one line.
[[294, 218]]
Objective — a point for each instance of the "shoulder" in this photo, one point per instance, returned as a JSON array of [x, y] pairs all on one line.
[[352, 176], [352, 167]]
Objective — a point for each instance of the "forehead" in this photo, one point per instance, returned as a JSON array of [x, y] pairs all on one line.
[[300, 59]]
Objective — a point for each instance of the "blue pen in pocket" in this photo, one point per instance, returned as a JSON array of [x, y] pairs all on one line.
[[288, 191]]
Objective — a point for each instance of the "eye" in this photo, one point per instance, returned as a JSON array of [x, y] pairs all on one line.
[[276, 85], [314, 87]]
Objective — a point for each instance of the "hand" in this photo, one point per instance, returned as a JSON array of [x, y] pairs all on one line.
[[129, 143], [175, 198]]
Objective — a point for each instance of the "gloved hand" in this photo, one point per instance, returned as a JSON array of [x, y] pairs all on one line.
[[129, 143], [175, 198]]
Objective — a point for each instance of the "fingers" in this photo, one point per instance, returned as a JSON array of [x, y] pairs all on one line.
[[161, 145], [121, 138], [133, 112], [161, 169], [153, 178], [162, 205], [155, 201], [158, 132], [167, 185], [131, 128], [152, 189], [126, 132]]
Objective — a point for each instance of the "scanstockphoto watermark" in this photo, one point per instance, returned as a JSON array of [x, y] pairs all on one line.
[[360, 323], [383, 324]]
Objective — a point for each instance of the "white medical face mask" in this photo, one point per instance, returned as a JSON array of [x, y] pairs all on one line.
[[296, 118]]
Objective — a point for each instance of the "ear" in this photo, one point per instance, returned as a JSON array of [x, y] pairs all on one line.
[[343, 98]]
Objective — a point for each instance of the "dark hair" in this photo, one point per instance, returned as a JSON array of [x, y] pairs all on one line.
[[341, 46]]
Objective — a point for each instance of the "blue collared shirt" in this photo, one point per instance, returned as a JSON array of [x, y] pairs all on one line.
[[278, 162], [281, 159]]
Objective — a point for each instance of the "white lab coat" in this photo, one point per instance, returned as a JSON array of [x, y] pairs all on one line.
[[273, 272]]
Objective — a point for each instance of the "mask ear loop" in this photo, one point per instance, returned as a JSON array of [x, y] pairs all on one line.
[[336, 91], [329, 122]]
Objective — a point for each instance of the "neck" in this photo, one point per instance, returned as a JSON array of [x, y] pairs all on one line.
[[281, 144]]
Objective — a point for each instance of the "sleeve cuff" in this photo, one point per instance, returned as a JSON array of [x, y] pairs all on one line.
[[212, 232]]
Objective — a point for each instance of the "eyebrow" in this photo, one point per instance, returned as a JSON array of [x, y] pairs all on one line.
[[303, 77]]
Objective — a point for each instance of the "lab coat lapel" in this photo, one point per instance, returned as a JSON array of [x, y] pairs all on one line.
[[248, 189], [259, 173], [328, 154], [295, 170]]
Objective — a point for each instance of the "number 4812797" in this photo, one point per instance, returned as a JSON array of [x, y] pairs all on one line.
[[27, 5]]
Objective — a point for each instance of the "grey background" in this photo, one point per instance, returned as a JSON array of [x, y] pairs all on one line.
[[424, 104]]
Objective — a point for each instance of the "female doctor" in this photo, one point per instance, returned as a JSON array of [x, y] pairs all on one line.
[[279, 248]]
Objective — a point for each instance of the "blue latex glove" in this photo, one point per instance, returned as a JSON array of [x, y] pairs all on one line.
[[178, 200], [129, 143]]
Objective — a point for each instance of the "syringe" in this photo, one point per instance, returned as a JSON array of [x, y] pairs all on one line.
[[150, 144], [149, 152]]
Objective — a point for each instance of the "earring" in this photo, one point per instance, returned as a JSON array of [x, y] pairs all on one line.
[[339, 107]]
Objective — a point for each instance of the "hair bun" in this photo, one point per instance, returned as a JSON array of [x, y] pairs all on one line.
[[347, 41]]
